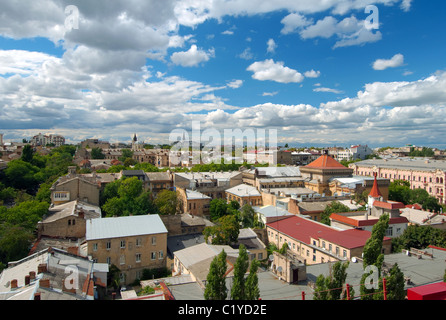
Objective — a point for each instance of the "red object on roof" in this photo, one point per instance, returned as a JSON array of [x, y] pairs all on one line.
[[433, 291], [414, 206], [325, 162], [375, 193], [362, 223], [389, 205], [304, 230]]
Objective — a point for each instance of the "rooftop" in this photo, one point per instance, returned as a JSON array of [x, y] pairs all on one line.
[[405, 163], [244, 190], [304, 230], [117, 227], [325, 162], [195, 195]]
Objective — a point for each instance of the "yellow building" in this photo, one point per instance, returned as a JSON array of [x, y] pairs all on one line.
[[130, 243]]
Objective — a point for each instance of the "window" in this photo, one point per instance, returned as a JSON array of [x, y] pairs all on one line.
[[122, 259], [260, 256], [122, 244], [323, 244], [337, 251], [153, 255], [160, 254], [344, 253], [74, 222], [314, 257], [108, 245], [108, 260], [95, 247], [389, 232], [154, 241], [138, 242], [329, 247], [138, 257], [69, 222]]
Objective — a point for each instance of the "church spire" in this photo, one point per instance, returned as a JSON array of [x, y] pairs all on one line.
[[375, 193]]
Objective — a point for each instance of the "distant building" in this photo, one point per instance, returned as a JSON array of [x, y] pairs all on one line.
[[426, 174], [244, 194], [43, 140], [194, 202]]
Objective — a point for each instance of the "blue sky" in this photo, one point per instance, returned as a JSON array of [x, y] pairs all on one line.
[[309, 69]]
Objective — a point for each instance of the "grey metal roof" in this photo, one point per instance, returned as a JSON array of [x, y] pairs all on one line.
[[118, 227], [405, 163]]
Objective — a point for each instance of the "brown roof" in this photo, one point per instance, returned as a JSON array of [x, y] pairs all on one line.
[[325, 162]]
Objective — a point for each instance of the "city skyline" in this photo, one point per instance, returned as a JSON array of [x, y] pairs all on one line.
[[321, 73]]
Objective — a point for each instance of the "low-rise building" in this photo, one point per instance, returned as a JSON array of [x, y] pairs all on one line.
[[244, 194], [131, 243], [67, 220], [53, 274], [194, 202], [312, 242]]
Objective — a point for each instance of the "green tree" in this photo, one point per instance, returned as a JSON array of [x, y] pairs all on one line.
[[27, 153], [252, 282], [399, 190], [25, 214], [125, 154], [331, 286], [167, 202], [216, 281], [126, 197], [238, 290], [14, 242], [96, 153], [22, 175], [419, 237], [247, 216], [395, 284], [224, 232], [333, 207], [217, 209], [373, 256]]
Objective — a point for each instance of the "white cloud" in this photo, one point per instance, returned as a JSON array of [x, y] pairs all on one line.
[[235, 84], [193, 57], [272, 46], [323, 89], [406, 4], [246, 54], [312, 74], [274, 71], [293, 22], [270, 94], [382, 64]]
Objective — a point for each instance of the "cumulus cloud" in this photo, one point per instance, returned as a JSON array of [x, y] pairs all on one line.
[[271, 46], [312, 74], [235, 84], [382, 64], [193, 57], [274, 71]]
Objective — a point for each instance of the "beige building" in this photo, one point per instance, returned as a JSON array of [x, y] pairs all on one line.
[[194, 202], [319, 173], [75, 187], [67, 220], [244, 194], [130, 243]]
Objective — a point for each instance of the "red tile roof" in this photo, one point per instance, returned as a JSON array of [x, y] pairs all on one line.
[[375, 193], [303, 230], [325, 162]]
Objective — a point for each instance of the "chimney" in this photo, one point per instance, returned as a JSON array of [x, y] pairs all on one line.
[[44, 283], [32, 275], [27, 280], [37, 296], [14, 284], [41, 268]]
